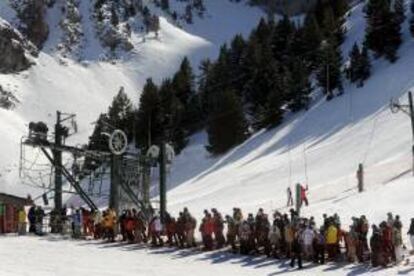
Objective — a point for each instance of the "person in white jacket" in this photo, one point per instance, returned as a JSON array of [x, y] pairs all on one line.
[[307, 238], [275, 237]]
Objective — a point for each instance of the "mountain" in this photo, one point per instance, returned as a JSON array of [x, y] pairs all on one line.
[[321, 148], [73, 70]]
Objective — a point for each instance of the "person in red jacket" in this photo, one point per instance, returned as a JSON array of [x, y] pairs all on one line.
[[303, 197], [130, 225], [207, 230], [87, 222]]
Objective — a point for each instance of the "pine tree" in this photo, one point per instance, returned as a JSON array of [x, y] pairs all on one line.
[[120, 113], [183, 82], [333, 26], [226, 125], [329, 72], [263, 32], [262, 78], [189, 14], [359, 66], [236, 64], [364, 66], [114, 17], [354, 64], [312, 38], [282, 38], [300, 86], [399, 10], [340, 8], [174, 110], [149, 124], [412, 26], [165, 4], [383, 33], [97, 141], [412, 18]]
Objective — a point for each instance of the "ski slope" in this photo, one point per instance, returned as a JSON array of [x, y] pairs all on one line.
[[54, 256], [86, 87], [321, 147]]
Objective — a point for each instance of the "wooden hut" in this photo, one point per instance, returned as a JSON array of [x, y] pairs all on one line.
[[9, 208]]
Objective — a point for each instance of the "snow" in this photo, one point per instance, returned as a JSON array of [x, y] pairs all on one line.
[[87, 87], [93, 258], [321, 147]]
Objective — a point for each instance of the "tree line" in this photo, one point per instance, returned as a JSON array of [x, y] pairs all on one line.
[[255, 81]]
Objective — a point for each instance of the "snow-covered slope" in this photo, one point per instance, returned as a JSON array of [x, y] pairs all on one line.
[[87, 87], [321, 147]]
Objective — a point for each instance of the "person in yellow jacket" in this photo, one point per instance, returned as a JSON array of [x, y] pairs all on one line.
[[332, 241], [109, 222], [22, 221]]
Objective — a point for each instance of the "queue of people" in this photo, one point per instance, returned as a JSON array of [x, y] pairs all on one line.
[[280, 236]]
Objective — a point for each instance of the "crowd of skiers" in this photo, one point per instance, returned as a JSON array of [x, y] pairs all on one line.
[[278, 236]]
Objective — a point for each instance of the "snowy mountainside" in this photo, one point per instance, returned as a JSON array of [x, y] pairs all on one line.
[[321, 147], [84, 81]]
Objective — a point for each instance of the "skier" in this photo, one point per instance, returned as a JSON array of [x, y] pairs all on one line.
[[22, 221], [218, 224], [140, 227], [155, 228], [231, 232], [290, 197], [296, 252], [39, 215], [387, 246], [207, 230], [170, 225], [97, 223], [332, 241], [375, 243], [32, 219], [362, 230], [307, 237], [410, 233], [86, 221], [289, 237], [190, 224], [303, 196], [351, 240], [245, 233], [238, 218], [319, 247], [129, 227], [77, 224], [121, 221], [262, 227], [274, 238], [181, 230], [397, 241]]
